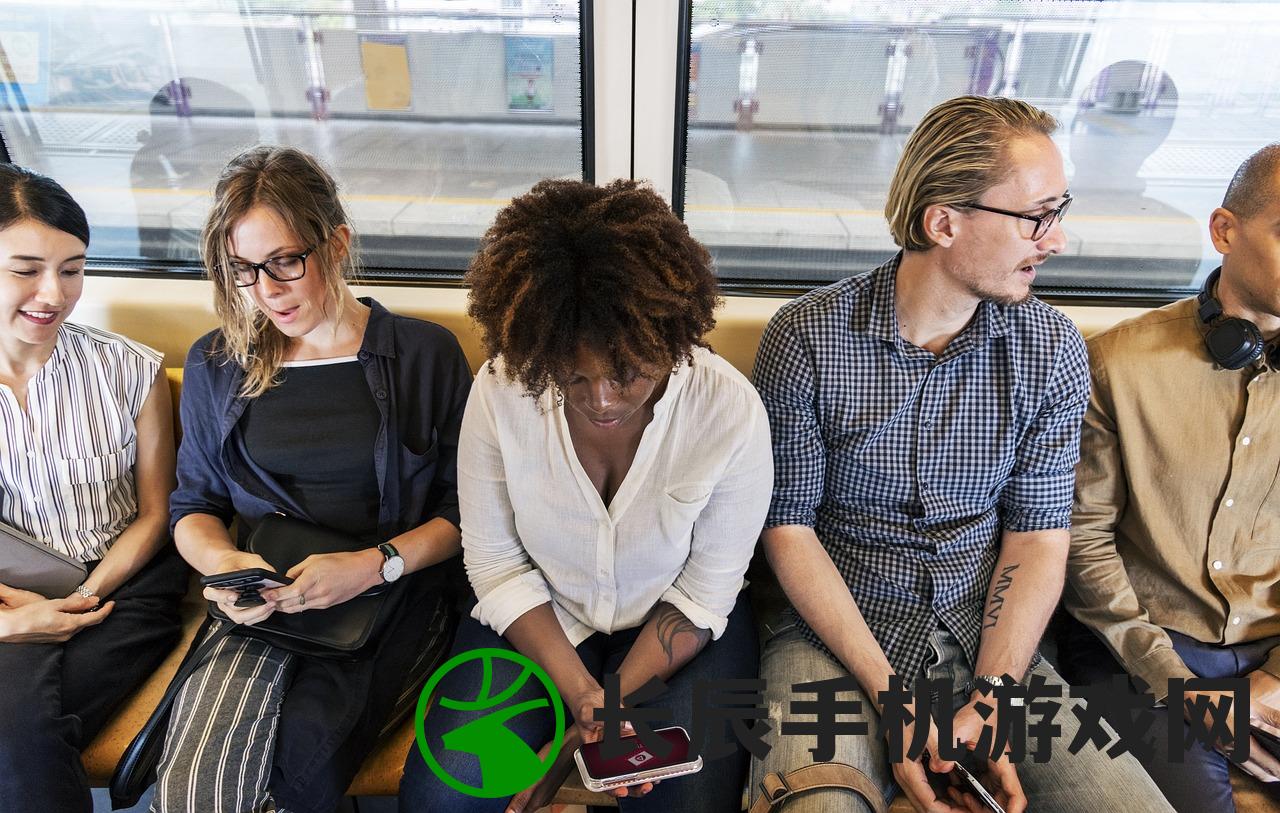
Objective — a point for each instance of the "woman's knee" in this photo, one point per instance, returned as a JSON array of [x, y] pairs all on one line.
[[421, 787], [40, 765], [32, 729]]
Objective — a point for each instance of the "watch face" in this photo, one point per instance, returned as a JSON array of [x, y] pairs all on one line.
[[393, 568]]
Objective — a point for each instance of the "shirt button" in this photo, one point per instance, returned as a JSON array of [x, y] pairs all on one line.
[[31, 455], [1230, 503], [928, 424], [1217, 565], [381, 395], [1245, 440], [1236, 621]]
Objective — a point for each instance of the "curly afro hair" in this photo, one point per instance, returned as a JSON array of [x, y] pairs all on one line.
[[611, 269]]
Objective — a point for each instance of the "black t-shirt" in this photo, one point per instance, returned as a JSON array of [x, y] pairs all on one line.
[[314, 433]]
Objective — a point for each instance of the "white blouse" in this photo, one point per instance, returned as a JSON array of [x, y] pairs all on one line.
[[680, 529], [66, 464]]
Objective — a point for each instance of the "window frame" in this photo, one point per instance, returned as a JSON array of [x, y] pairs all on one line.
[[861, 260], [420, 276]]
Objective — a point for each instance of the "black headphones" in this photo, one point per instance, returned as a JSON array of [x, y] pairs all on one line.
[[1233, 342]]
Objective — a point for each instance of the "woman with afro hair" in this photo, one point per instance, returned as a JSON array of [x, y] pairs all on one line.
[[614, 475]]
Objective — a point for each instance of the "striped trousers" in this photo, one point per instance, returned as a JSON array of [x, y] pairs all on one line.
[[218, 750], [257, 728]]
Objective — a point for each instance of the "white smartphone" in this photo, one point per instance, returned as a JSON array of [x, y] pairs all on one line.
[[637, 764]]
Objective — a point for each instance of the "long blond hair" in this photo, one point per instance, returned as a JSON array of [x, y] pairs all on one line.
[[294, 186], [956, 153]]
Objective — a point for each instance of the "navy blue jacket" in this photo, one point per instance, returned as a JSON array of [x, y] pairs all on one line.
[[419, 379]]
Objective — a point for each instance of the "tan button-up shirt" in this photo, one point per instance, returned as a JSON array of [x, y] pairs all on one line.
[[1177, 516]]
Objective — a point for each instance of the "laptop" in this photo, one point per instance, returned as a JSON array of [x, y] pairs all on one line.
[[28, 564]]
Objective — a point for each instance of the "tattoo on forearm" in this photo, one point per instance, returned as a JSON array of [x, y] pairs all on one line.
[[671, 624], [1003, 582]]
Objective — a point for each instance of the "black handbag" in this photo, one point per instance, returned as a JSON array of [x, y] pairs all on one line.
[[342, 631], [345, 631]]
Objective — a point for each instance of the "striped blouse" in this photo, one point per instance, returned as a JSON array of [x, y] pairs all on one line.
[[66, 464]]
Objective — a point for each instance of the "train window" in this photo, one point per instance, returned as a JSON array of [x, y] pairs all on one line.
[[797, 112], [431, 113]]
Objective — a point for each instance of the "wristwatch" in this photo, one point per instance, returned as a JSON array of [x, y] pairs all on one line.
[[392, 563], [991, 682], [988, 681]]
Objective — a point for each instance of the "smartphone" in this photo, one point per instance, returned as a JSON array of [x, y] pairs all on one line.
[[1266, 735], [247, 583], [967, 781], [638, 764]]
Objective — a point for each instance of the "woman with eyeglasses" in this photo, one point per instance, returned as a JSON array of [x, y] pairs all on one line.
[[309, 402], [86, 467]]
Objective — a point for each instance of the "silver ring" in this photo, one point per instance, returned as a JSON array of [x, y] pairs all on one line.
[[302, 599]]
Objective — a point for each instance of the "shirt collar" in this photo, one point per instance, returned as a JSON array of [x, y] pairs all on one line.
[[677, 378], [58, 356], [988, 321], [379, 334], [882, 321]]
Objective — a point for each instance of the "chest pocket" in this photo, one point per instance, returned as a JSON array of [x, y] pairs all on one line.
[[681, 506], [101, 469], [90, 484], [412, 462]]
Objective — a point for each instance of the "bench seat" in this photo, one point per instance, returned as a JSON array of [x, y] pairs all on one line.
[[380, 774]]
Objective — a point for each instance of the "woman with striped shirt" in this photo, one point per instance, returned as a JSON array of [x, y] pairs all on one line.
[[86, 466]]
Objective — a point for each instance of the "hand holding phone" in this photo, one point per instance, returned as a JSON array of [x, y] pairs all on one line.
[[963, 778], [637, 764], [248, 583]]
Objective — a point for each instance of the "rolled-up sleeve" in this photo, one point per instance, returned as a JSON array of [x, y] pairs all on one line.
[[1039, 491], [201, 487], [784, 377], [725, 533], [504, 579]]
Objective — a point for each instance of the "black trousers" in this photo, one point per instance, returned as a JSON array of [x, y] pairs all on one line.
[[334, 712], [1201, 781], [55, 698]]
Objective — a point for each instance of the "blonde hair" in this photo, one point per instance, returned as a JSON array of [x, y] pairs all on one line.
[[954, 155], [294, 186]]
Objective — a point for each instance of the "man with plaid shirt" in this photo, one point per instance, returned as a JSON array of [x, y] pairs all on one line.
[[926, 426]]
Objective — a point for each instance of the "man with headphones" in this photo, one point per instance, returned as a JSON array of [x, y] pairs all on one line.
[[1175, 539]]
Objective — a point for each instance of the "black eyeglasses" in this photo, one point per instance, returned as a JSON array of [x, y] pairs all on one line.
[[285, 268], [1043, 222]]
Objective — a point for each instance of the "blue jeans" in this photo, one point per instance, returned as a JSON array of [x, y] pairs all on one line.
[[1201, 783], [717, 788], [1085, 782]]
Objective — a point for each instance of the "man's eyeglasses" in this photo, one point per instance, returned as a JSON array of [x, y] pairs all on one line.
[[285, 268], [1043, 222]]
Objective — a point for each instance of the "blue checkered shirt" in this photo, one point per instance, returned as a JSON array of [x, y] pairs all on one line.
[[909, 466]]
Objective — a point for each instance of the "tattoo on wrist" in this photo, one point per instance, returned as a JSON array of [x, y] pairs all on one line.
[[1003, 582], [671, 623]]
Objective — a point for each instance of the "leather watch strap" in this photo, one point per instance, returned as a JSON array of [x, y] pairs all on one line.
[[777, 788]]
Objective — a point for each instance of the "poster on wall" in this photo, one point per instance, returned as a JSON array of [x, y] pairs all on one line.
[[24, 68], [529, 74], [385, 60], [695, 60]]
